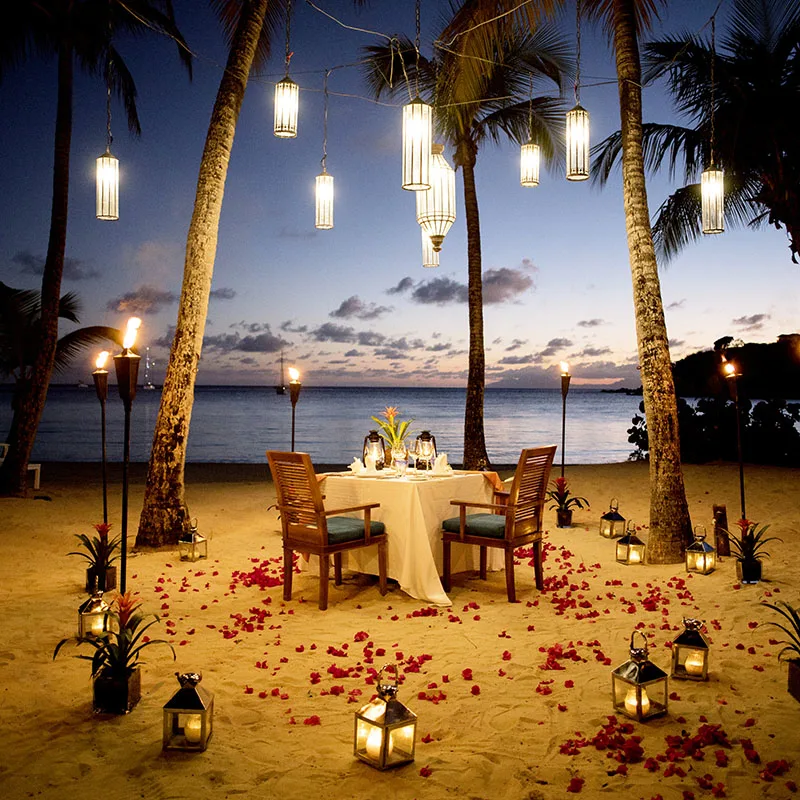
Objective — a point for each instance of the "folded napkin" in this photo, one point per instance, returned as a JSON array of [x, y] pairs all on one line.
[[369, 466], [356, 467], [440, 465]]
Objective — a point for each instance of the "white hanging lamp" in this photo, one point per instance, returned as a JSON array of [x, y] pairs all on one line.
[[287, 93], [417, 136], [107, 200], [712, 189], [436, 207], [577, 132], [530, 154], [430, 257], [324, 182]]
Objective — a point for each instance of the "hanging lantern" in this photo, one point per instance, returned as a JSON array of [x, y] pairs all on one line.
[[188, 715], [690, 652], [529, 160], [324, 196], [107, 207], [436, 207], [426, 450], [712, 193], [430, 257], [192, 546], [93, 617], [287, 101], [386, 731], [417, 136], [612, 523], [701, 556], [373, 448], [639, 687], [630, 548], [577, 144]]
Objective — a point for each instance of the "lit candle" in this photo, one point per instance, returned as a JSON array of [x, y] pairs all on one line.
[[192, 728], [634, 556], [631, 705], [694, 663], [96, 624], [374, 742]]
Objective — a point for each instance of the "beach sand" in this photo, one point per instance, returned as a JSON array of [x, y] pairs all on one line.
[[288, 678]]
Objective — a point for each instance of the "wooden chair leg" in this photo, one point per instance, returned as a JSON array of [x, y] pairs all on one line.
[[446, 565], [337, 569], [483, 564], [288, 571], [382, 566], [510, 589], [537, 564], [324, 570]]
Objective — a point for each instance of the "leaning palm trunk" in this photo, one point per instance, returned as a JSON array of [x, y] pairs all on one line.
[[165, 514], [474, 440], [31, 400], [670, 526]]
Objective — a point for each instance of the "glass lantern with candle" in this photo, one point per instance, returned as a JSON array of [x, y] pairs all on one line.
[[193, 545], [701, 556], [639, 688], [93, 617], [385, 730], [426, 450], [630, 548], [188, 715], [612, 523], [373, 448], [690, 652]]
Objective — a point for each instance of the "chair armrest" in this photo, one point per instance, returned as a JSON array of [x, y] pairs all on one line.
[[333, 511], [501, 509]]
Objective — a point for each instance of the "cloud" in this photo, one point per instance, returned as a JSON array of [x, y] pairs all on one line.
[[591, 323], [74, 268], [676, 342], [265, 342], [144, 300], [753, 322], [593, 352], [528, 359], [403, 286], [675, 304], [353, 353], [370, 338], [355, 307], [553, 347], [289, 328], [440, 292], [439, 347], [330, 332], [515, 344], [500, 285], [223, 294]]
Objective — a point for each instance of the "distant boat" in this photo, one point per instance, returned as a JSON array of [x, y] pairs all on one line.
[[148, 384], [281, 387], [82, 385]]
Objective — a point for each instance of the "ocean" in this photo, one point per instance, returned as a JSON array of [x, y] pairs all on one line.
[[239, 423]]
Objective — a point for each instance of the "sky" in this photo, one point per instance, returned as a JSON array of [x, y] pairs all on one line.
[[353, 305]]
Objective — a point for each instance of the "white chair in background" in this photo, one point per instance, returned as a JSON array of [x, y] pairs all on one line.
[[36, 468]]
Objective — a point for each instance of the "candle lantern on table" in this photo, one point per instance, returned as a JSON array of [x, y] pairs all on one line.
[[385, 730], [630, 548], [638, 687], [374, 448], [294, 394], [192, 546], [93, 617], [701, 556], [612, 523], [100, 378], [426, 450], [188, 715], [690, 652]]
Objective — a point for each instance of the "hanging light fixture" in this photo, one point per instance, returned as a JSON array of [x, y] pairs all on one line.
[[107, 205], [712, 190], [436, 207], [430, 257], [324, 187], [417, 134], [577, 132], [530, 153], [287, 93]]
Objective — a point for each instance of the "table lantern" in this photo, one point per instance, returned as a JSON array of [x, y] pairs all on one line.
[[193, 545], [639, 687], [612, 523], [690, 652], [426, 450], [93, 616], [373, 447], [386, 731], [630, 548], [700, 555], [188, 715]]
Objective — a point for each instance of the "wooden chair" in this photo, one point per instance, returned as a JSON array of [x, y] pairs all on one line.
[[309, 528], [35, 468], [516, 519]]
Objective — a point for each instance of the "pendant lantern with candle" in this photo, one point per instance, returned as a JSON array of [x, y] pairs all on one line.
[[701, 556], [638, 687], [690, 652], [612, 523], [630, 548], [188, 715]]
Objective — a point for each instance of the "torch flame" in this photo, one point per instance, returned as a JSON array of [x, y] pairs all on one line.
[[730, 368], [101, 359], [564, 368], [130, 332], [294, 374]]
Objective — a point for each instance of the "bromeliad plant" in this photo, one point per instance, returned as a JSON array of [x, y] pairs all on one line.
[[100, 553], [791, 650], [561, 497], [392, 431], [749, 545]]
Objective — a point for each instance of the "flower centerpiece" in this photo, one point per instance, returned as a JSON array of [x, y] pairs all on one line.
[[394, 433], [100, 552], [563, 501], [791, 650], [748, 549], [115, 662]]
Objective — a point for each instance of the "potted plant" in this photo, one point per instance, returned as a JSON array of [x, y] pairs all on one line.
[[100, 552], [791, 651], [748, 549], [394, 433], [116, 675], [563, 501]]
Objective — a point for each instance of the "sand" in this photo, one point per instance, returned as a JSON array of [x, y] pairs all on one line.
[[513, 728]]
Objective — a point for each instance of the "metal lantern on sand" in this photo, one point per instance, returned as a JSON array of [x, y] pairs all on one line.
[[612, 523], [638, 687], [193, 545], [690, 652], [188, 715], [701, 557], [385, 730], [630, 548]]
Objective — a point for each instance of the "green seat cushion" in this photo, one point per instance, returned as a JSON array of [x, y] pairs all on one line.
[[347, 529], [492, 526]]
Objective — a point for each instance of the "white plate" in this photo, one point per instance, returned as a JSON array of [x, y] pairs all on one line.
[[378, 475]]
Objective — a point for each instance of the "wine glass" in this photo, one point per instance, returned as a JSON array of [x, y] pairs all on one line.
[[412, 454]]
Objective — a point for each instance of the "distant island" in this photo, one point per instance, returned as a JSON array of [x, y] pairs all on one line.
[[624, 390]]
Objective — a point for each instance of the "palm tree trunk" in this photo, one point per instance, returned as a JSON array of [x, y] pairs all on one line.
[[31, 400], [474, 440], [670, 526], [165, 514]]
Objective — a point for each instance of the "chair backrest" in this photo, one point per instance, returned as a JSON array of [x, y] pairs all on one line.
[[529, 490], [3, 451], [299, 497]]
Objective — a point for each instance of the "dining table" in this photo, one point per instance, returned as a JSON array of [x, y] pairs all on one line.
[[413, 507]]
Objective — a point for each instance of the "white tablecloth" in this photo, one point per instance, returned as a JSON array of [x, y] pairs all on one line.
[[413, 512]]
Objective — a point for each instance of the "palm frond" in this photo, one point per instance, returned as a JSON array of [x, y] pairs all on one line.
[[75, 342]]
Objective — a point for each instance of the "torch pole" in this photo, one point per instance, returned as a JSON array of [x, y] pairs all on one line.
[[565, 377]]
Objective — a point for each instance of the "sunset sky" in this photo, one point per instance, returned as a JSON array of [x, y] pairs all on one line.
[[353, 306]]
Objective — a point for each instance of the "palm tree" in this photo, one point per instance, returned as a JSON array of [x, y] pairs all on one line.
[[754, 94], [20, 320], [479, 88], [82, 32], [165, 515]]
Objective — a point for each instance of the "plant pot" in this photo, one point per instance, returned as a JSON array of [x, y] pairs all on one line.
[[748, 571], [114, 695], [105, 582], [794, 679], [564, 517]]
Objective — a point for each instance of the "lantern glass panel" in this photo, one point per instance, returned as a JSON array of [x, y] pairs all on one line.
[[690, 653], [701, 557], [94, 617], [324, 202], [287, 102], [640, 701], [577, 144], [107, 206], [417, 138], [374, 448], [529, 162], [712, 193], [193, 548], [385, 733], [630, 549], [612, 523], [188, 717]]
